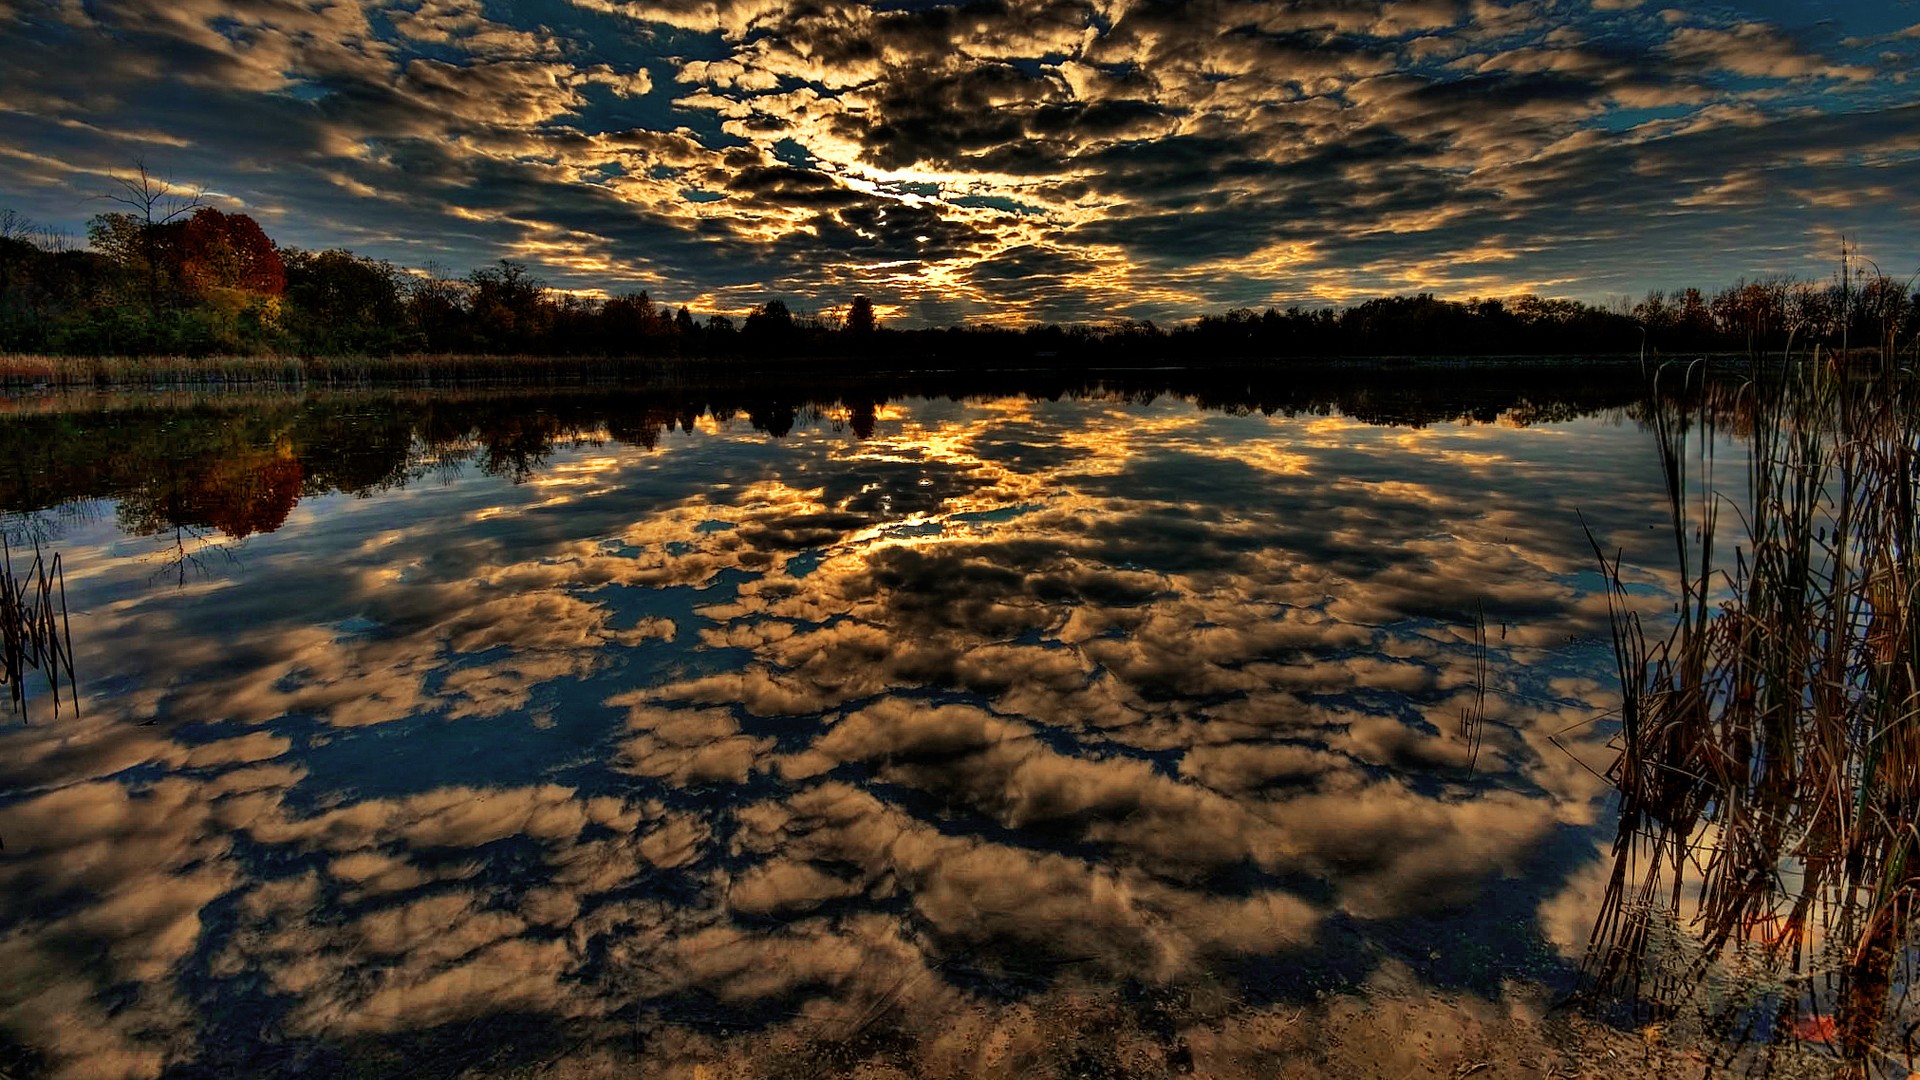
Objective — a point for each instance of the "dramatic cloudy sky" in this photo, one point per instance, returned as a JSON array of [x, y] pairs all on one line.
[[1012, 159]]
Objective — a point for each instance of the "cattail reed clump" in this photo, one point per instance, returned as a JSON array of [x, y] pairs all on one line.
[[1768, 762]]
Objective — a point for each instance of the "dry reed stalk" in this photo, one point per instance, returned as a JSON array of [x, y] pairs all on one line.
[[35, 634], [1769, 757]]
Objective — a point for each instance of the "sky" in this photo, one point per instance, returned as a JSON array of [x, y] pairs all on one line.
[[1010, 161]]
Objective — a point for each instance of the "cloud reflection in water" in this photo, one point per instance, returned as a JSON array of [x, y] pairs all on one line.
[[728, 729]]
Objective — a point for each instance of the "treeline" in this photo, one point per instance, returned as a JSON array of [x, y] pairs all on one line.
[[195, 281]]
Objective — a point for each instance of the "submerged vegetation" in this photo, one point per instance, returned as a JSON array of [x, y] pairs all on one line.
[[1769, 757]]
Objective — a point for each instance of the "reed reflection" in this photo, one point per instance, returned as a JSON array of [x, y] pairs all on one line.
[[840, 731]]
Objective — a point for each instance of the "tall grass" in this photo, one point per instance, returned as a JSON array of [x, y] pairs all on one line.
[[1769, 758], [28, 371]]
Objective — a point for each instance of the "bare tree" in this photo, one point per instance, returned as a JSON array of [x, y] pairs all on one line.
[[53, 239], [15, 225], [154, 202]]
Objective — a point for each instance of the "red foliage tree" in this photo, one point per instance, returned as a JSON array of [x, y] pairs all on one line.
[[228, 251]]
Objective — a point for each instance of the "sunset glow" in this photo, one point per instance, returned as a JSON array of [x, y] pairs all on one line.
[[1005, 161]]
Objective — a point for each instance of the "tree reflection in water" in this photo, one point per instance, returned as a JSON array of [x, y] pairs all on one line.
[[541, 722]]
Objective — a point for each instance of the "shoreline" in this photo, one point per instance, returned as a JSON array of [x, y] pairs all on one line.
[[29, 374]]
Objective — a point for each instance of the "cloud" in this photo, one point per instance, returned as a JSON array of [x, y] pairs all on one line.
[[1164, 157], [686, 746], [1757, 50], [803, 725]]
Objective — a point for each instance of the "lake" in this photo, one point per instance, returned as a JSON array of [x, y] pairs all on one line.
[[736, 729]]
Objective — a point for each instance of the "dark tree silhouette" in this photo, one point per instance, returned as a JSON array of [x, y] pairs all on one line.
[[769, 329], [171, 275], [860, 320], [437, 306], [339, 302], [771, 317], [509, 308]]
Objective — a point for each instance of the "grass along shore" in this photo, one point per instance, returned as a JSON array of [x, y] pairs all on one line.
[[30, 371]]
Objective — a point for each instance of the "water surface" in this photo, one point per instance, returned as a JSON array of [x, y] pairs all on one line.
[[504, 726]]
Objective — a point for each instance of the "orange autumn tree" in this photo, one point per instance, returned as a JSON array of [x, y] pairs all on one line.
[[227, 262]]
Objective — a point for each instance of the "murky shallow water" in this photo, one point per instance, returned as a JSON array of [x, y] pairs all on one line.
[[533, 724]]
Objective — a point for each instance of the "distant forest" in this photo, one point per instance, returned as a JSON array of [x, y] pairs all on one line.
[[181, 278]]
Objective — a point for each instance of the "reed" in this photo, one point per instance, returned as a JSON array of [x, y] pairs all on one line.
[[35, 635], [1473, 715], [1768, 762]]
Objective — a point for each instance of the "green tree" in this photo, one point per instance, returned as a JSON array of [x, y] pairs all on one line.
[[338, 302]]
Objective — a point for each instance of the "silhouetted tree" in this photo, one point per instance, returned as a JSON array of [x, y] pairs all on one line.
[[770, 318], [173, 275], [769, 329], [860, 320], [438, 308], [339, 302], [1693, 322], [510, 308], [635, 326], [16, 226], [1881, 309]]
